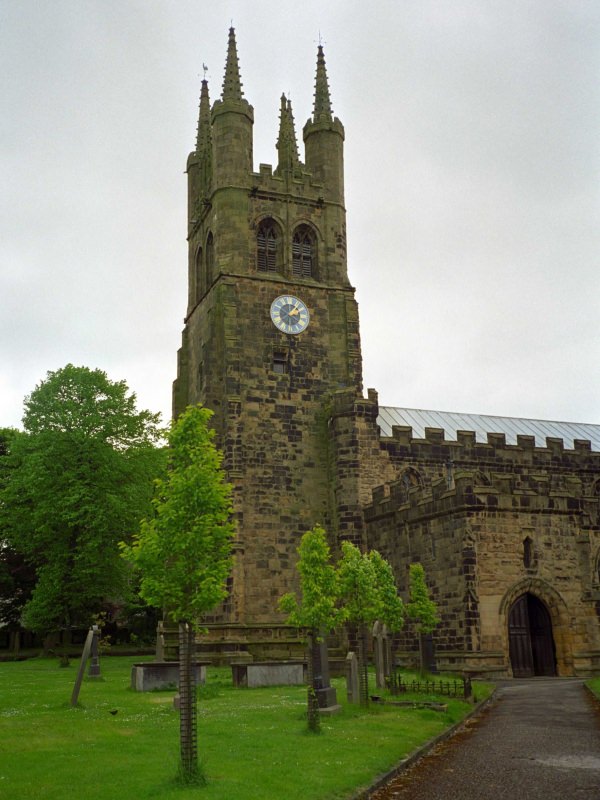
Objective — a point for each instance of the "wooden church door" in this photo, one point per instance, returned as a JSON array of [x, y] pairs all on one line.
[[531, 644]]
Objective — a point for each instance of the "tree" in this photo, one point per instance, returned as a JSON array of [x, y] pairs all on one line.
[[390, 608], [367, 593], [421, 609], [317, 611], [361, 603], [78, 479], [17, 578], [183, 551]]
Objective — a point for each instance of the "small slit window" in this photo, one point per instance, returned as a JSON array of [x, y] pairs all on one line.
[[267, 247], [210, 260], [527, 553], [303, 253], [280, 362], [198, 275]]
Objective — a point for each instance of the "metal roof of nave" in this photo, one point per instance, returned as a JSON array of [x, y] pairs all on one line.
[[482, 424]]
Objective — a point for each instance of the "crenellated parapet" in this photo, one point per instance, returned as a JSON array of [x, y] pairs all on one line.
[[471, 492], [437, 456]]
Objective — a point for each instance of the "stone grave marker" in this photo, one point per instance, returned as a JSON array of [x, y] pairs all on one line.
[[352, 688]]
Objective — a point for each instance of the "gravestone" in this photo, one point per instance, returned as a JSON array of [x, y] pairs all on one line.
[[94, 668], [326, 694], [352, 687], [388, 662], [378, 652], [160, 641]]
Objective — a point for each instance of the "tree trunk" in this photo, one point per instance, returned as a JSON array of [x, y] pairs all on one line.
[[313, 715], [422, 656], [187, 703]]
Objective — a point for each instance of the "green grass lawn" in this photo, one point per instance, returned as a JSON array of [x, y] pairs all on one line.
[[594, 684], [253, 743]]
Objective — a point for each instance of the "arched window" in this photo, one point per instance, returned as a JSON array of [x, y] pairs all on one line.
[[210, 260], [409, 479], [268, 246], [199, 287], [304, 253]]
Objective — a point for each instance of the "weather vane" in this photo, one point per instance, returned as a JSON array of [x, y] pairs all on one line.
[[205, 69]]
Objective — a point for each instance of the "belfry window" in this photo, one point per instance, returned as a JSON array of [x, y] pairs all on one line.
[[268, 244], [304, 253]]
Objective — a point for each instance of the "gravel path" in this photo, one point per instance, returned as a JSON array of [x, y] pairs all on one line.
[[539, 741]]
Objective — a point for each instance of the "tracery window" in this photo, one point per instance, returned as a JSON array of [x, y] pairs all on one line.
[[268, 246], [304, 253]]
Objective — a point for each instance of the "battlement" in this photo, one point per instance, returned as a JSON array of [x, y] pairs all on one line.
[[347, 402], [470, 491], [437, 444], [300, 182]]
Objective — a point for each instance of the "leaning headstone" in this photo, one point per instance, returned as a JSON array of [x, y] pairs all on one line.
[[352, 688], [94, 668], [80, 673]]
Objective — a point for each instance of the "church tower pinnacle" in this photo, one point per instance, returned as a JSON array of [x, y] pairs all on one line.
[[203, 139], [232, 85], [287, 146], [324, 139], [322, 104], [232, 121]]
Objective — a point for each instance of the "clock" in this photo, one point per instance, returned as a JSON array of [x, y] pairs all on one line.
[[289, 314]]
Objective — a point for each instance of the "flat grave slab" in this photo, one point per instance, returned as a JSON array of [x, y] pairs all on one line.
[[151, 675], [269, 673]]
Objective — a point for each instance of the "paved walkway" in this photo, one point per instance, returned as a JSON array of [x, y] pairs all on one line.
[[539, 741]]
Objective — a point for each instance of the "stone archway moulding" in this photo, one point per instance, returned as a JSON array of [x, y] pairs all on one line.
[[539, 588], [559, 615]]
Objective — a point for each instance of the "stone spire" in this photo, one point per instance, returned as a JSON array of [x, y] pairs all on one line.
[[232, 86], [287, 145], [203, 138], [322, 106]]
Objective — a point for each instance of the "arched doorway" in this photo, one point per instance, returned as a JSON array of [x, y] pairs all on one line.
[[531, 643]]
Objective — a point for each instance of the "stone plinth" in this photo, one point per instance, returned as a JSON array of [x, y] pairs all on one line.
[[269, 673], [163, 675]]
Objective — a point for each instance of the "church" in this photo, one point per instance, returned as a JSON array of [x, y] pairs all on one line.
[[503, 513]]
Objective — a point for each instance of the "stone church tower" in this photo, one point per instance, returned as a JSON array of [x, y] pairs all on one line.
[[271, 330]]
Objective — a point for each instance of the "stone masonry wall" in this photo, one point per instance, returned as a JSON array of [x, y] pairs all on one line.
[[470, 537]]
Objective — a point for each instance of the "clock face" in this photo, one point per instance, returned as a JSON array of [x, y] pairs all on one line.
[[289, 314]]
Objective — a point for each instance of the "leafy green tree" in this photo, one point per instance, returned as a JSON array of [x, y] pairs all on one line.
[[317, 611], [77, 481], [421, 609], [390, 610], [183, 551], [17, 578], [360, 602], [367, 593]]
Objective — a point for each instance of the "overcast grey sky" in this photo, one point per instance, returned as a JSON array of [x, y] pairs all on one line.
[[472, 187]]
